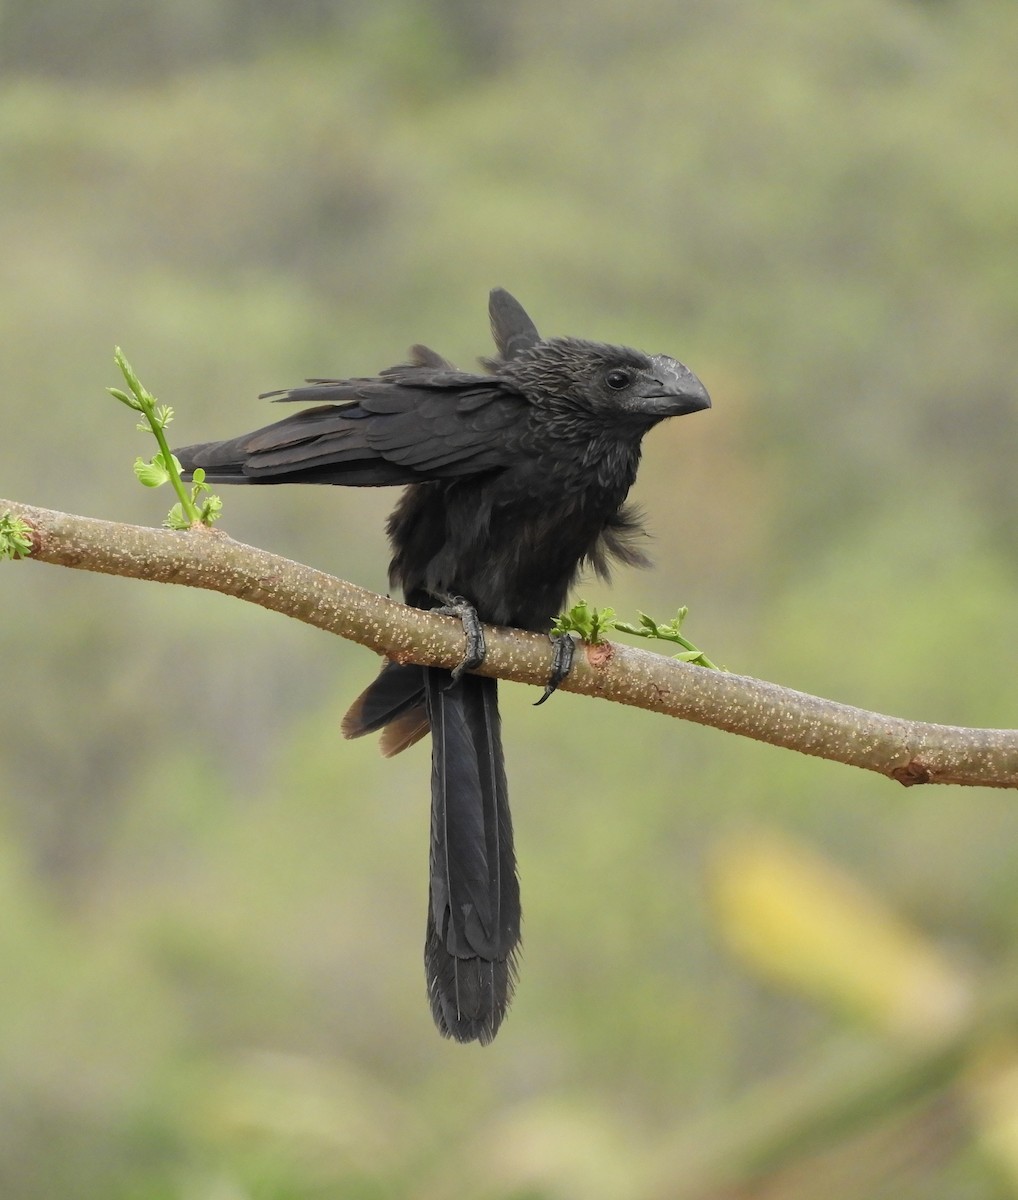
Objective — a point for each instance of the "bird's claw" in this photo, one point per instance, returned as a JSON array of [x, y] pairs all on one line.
[[563, 649], [473, 631]]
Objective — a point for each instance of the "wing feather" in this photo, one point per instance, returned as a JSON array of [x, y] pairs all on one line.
[[411, 423]]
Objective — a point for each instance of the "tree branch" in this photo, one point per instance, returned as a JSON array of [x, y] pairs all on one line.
[[908, 751]]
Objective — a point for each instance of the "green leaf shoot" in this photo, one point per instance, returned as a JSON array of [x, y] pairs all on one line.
[[163, 467], [15, 537], [669, 631], [593, 623], [589, 622]]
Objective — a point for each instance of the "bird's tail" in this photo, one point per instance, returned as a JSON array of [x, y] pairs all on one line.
[[473, 927], [474, 915], [393, 702]]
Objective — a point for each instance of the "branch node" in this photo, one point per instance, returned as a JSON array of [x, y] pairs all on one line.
[[911, 773], [599, 654]]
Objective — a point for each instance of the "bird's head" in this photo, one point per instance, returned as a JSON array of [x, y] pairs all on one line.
[[611, 382]]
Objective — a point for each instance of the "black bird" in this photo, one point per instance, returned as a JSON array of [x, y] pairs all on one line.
[[516, 479]]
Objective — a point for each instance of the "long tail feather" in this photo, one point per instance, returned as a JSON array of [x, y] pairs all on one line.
[[474, 914], [474, 905]]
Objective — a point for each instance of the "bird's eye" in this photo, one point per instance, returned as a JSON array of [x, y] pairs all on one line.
[[617, 380]]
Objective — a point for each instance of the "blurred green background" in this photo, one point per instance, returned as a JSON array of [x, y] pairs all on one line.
[[212, 907]]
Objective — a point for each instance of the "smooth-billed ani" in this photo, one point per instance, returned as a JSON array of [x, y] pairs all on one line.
[[516, 479]]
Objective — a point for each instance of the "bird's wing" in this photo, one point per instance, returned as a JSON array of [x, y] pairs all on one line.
[[511, 327], [409, 424]]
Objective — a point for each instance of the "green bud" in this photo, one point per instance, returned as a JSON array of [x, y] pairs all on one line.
[[175, 519]]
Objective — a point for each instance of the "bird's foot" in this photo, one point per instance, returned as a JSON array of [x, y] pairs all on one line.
[[473, 631], [563, 649]]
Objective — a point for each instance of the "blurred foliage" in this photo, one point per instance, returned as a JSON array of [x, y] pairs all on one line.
[[213, 908]]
